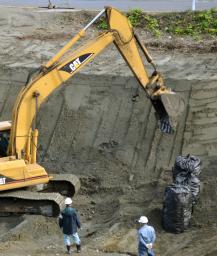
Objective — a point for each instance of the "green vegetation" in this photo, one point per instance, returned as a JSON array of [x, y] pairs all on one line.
[[135, 16], [195, 24], [152, 25], [102, 24]]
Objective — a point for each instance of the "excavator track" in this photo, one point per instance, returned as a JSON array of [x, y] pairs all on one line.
[[26, 202], [65, 184], [48, 202]]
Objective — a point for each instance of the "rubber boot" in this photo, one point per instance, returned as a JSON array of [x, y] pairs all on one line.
[[78, 248], [68, 249]]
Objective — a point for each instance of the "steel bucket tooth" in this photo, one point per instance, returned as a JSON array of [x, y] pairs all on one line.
[[166, 126]]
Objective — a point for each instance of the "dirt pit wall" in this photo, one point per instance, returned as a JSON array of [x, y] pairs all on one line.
[[92, 128]]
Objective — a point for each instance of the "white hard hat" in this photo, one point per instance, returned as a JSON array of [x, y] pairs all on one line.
[[143, 219], [68, 201]]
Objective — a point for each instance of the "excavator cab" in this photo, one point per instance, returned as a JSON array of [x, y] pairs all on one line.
[[5, 128]]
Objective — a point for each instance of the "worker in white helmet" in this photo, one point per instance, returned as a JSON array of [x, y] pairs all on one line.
[[146, 237], [69, 223]]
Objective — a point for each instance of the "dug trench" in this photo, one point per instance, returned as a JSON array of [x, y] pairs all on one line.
[[92, 128]]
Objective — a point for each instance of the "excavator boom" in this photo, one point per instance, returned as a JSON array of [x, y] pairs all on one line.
[[63, 66]]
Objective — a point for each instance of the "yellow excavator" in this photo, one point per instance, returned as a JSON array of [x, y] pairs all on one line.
[[25, 186]]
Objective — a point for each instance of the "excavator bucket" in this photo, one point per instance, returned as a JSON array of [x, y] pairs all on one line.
[[173, 103], [168, 108]]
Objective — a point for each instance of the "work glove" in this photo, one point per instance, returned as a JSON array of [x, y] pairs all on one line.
[[149, 246]]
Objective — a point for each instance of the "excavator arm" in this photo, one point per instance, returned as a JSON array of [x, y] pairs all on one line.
[[23, 139]]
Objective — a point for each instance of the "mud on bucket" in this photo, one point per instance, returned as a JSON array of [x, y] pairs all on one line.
[[168, 107]]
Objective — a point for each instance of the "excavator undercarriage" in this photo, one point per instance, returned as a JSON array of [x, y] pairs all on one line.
[[30, 196], [43, 199]]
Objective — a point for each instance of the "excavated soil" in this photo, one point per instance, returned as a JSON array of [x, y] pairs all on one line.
[[92, 128]]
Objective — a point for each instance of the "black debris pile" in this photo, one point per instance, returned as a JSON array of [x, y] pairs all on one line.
[[182, 194]]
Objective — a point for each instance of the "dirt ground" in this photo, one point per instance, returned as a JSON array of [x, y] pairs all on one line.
[[92, 128]]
